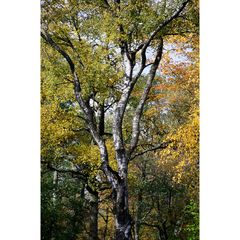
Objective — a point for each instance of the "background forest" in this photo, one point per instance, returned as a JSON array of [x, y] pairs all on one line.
[[119, 120]]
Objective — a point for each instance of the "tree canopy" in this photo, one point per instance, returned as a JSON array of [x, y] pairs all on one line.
[[119, 119]]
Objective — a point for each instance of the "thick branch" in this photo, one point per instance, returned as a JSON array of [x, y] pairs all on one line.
[[101, 124], [145, 45], [121, 106], [139, 109], [55, 46], [163, 24], [87, 110]]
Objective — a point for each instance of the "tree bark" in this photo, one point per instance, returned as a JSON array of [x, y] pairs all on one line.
[[123, 220], [106, 226], [93, 227]]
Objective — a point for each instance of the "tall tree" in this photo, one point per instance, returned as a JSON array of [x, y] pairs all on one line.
[[109, 46]]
